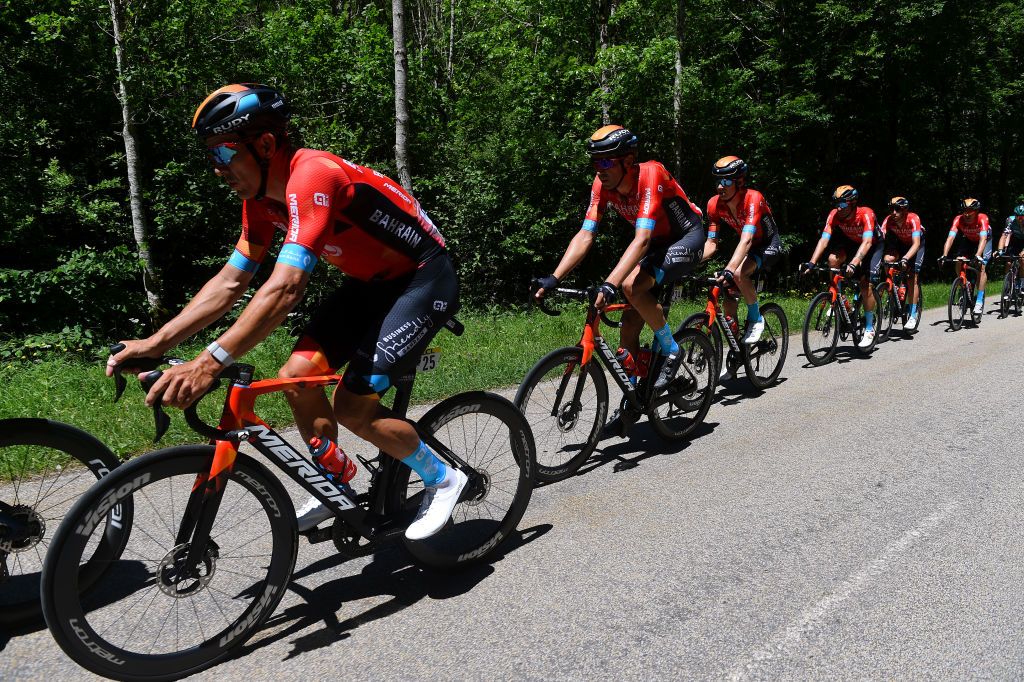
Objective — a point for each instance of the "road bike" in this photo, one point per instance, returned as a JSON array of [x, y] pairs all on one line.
[[44, 467], [962, 292], [894, 299], [763, 360], [214, 538], [1012, 298], [831, 317], [565, 395]]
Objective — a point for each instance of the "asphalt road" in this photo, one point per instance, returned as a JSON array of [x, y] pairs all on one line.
[[859, 520]]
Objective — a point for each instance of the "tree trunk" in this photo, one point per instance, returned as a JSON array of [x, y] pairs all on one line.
[[140, 230], [607, 9], [401, 98], [677, 87]]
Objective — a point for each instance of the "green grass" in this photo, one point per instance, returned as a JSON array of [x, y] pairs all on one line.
[[496, 351]]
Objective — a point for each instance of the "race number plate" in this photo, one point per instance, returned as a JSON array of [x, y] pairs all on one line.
[[428, 360]]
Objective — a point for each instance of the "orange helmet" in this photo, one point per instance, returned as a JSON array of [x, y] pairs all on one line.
[[611, 141]]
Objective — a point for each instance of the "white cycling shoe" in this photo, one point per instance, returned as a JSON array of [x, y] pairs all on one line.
[[867, 339], [754, 332], [312, 514], [438, 503], [979, 308], [911, 323]]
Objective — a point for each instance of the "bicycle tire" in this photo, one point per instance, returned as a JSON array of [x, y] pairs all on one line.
[[73, 621], [1007, 296], [469, 538], [885, 310], [686, 408], [535, 399], [701, 322], [776, 329], [957, 307], [859, 327], [41, 439], [821, 319]]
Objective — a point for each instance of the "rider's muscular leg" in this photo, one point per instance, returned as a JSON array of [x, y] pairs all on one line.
[[637, 288], [745, 282], [312, 409], [364, 416], [629, 332]]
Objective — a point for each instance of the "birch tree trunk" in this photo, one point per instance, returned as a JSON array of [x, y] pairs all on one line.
[[677, 88], [401, 97], [607, 8], [140, 230]]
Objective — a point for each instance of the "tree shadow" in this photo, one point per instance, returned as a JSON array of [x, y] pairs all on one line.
[[391, 572]]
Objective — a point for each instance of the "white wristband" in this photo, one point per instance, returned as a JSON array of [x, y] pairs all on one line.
[[220, 355]]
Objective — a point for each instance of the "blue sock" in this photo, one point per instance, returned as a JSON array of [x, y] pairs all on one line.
[[427, 465], [913, 309], [869, 318], [665, 340], [981, 297], [753, 312]]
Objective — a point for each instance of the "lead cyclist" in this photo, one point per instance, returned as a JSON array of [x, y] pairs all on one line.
[[400, 290]]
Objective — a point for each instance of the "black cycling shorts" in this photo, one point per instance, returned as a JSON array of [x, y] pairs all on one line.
[[894, 247], [1015, 246], [381, 328], [767, 255], [966, 248], [667, 263]]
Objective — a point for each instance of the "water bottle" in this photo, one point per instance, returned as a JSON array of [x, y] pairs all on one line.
[[733, 325], [902, 292], [626, 360], [643, 362], [332, 459]]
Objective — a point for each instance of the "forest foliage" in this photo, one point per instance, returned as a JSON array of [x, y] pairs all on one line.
[[923, 98]]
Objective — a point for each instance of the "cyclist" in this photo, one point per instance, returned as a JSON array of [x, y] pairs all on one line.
[[904, 242], [971, 232], [400, 290], [856, 233], [1011, 243], [746, 211], [666, 245]]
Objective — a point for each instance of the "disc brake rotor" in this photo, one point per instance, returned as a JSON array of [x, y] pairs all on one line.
[[175, 580]]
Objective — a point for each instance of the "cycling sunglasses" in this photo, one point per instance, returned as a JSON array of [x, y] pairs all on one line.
[[603, 164], [726, 182], [222, 154], [842, 205]]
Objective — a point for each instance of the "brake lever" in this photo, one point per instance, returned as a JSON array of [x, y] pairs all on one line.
[[120, 383], [161, 421]]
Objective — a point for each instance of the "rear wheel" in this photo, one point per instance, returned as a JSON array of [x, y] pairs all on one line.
[[764, 359], [492, 436], [567, 427], [45, 466], [958, 304], [682, 406], [1007, 297], [885, 311], [821, 330], [150, 616]]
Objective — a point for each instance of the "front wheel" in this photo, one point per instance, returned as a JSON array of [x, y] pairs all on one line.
[[151, 616], [1006, 300], [703, 323], [44, 467], [885, 311], [684, 403], [492, 436], [764, 359], [958, 304], [566, 404], [821, 330]]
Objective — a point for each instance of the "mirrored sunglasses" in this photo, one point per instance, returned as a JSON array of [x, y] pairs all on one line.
[[842, 205], [603, 164], [726, 182], [222, 154]]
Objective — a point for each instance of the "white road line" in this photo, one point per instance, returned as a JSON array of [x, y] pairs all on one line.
[[788, 639]]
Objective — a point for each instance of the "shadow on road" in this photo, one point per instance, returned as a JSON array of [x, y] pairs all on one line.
[[390, 573], [734, 391], [644, 443]]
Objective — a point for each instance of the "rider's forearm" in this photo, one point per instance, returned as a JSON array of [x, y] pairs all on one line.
[[915, 245], [862, 252], [742, 249], [981, 246], [266, 311], [575, 253], [209, 305], [634, 252], [710, 247]]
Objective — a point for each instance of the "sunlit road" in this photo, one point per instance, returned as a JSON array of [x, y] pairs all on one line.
[[859, 520]]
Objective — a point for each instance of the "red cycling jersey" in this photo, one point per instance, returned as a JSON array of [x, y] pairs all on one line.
[[657, 203], [357, 219], [972, 231], [905, 231], [859, 226], [755, 217]]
